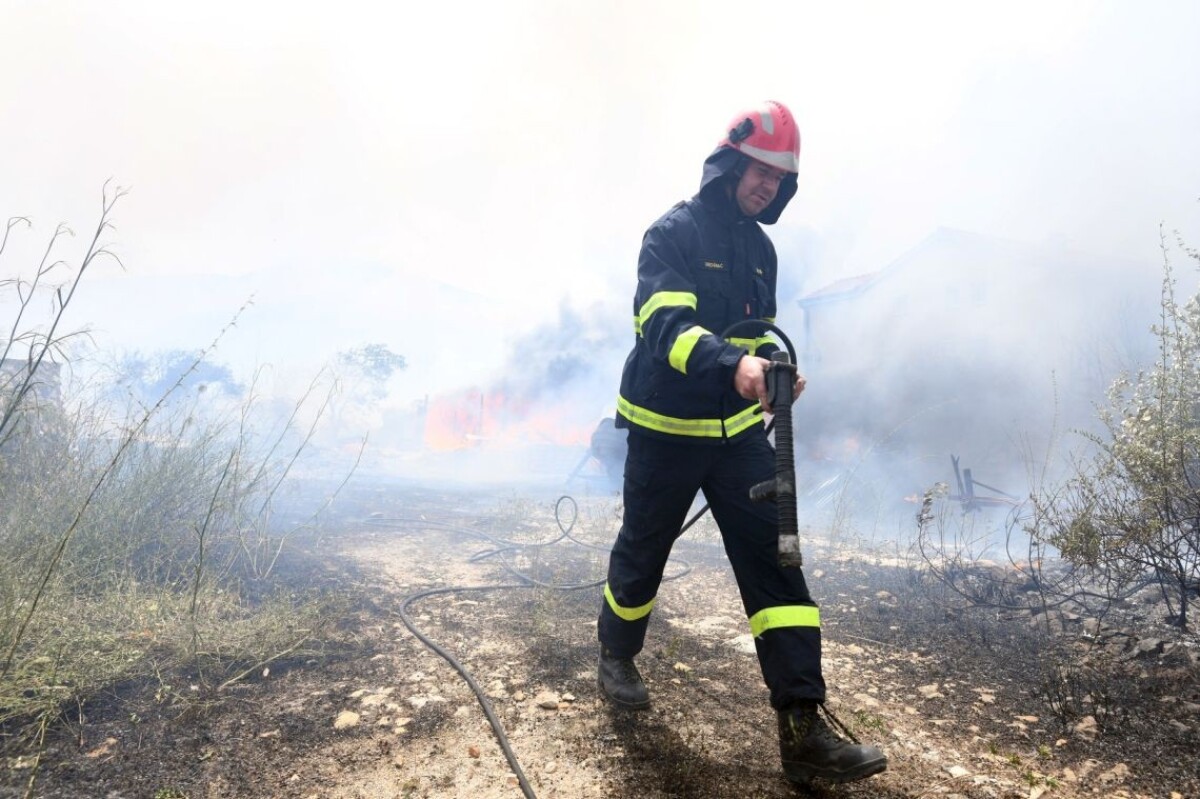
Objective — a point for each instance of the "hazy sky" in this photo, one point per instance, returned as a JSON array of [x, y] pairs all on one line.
[[440, 177]]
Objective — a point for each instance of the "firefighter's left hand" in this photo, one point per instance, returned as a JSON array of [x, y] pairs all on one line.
[[798, 388]]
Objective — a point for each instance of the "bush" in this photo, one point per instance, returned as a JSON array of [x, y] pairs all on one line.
[[1132, 512]]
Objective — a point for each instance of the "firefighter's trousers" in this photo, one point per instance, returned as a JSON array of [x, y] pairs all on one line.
[[661, 481]]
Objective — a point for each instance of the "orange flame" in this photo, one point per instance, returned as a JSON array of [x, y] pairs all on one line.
[[472, 417]]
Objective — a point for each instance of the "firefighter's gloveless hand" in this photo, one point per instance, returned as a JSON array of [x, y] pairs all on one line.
[[750, 380]]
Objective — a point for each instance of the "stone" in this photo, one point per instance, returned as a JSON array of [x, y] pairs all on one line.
[[547, 700], [346, 719], [1087, 727], [929, 691], [742, 643], [1118, 773], [866, 700], [1146, 647], [957, 772]]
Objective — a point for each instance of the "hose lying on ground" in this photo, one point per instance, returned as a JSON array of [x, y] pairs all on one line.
[[502, 548]]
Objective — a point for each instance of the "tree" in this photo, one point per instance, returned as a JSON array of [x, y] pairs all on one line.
[[362, 374], [147, 376], [370, 367]]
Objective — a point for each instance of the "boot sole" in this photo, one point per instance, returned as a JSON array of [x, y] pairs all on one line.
[[621, 703], [804, 775]]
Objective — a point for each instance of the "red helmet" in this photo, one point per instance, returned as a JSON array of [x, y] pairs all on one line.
[[767, 133]]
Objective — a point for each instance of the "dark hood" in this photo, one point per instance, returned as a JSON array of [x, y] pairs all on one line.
[[723, 168]]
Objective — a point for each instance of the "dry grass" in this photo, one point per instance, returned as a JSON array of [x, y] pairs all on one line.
[[140, 542]]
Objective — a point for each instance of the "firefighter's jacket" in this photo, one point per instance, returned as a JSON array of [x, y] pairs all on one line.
[[703, 266]]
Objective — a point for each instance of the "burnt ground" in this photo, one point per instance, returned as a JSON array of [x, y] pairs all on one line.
[[966, 703]]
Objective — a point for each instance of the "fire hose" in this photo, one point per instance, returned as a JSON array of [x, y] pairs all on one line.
[[781, 378], [502, 548]]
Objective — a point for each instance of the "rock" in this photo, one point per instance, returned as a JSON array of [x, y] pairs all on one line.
[[682, 667], [568, 697], [1118, 773], [519, 696], [550, 768], [1087, 727], [372, 700], [102, 749], [929, 691], [1027, 719], [957, 772], [1146, 647], [398, 761], [473, 751], [987, 699], [346, 719], [742, 643], [866, 700], [547, 700]]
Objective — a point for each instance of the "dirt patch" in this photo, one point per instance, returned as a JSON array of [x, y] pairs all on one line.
[[957, 700]]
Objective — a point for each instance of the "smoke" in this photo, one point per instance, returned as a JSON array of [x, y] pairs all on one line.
[[968, 346]]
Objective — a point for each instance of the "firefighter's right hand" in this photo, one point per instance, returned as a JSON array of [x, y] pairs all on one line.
[[750, 379]]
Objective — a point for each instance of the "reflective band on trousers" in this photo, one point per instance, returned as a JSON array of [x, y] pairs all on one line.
[[700, 428], [685, 342], [784, 616], [628, 614], [662, 299]]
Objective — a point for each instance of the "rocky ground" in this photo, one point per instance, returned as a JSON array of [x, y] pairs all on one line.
[[965, 703]]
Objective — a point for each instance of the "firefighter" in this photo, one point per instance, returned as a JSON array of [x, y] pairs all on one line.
[[693, 403]]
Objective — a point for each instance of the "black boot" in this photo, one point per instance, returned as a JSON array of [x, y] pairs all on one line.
[[621, 682], [810, 749]]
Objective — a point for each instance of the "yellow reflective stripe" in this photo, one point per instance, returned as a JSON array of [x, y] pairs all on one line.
[[747, 344], [784, 616], [770, 319], [750, 345], [685, 342], [663, 299], [744, 420], [700, 428], [628, 614]]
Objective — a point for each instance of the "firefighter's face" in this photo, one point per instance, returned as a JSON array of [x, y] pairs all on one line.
[[758, 187]]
